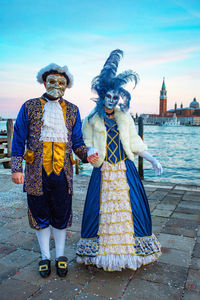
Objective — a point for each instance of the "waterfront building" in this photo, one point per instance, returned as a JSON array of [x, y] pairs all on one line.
[[185, 115]]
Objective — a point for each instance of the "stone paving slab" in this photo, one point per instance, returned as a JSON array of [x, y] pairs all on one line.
[[5, 234], [195, 263], [186, 216], [162, 213], [157, 195], [17, 290], [175, 257], [19, 258], [177, 191], [194, 205], [165, 206], [198, 231], [191, 296], [108, 284], [145, 290], [196, 251], [18, 223], [178, 227], [191, 197], [13, 212], [156, 220], [6, 272], [182, 243], [6, 249], [158, 185], [171, 275], [193, 281], [81, 274], [171, 200], [190, 188], [30, 274], [57, 289]]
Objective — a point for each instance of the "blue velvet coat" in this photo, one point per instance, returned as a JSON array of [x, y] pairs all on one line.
[[27, 131]]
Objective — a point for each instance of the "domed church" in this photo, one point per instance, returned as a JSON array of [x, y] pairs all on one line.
[[185, 115], [194, 104]]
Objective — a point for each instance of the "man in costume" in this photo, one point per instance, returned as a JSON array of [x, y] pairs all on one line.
[[116, 227], [51, 128]]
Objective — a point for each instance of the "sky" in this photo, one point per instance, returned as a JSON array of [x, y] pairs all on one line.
[[159, 39]]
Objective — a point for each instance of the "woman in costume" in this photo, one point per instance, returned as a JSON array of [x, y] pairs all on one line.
[[116, 227]]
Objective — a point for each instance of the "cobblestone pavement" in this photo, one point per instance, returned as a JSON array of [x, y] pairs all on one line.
[[176, 221]]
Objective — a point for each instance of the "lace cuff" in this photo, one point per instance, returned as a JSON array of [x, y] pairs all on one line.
[[16, 164], [81, 152]]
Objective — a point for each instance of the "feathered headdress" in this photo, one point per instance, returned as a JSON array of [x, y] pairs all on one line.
[[107, 80], [52, 69]]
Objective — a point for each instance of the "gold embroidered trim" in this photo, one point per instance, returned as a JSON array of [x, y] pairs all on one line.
[[32, 222], [121, 222], [115, 211], [110, 170], [115, 200], [115, 189], [102, 234], [90, 238], [108, 245], [143, 255]]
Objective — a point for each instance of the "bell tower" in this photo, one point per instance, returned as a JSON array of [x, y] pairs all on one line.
[[163, 99]]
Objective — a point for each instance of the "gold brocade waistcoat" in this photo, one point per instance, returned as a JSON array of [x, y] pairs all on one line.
[[53, 152]]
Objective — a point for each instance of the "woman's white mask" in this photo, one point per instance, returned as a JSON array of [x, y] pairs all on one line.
[[56, 85], [111, 99]]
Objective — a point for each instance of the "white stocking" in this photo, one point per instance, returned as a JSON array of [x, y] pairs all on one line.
[[59, 237], [43, 236]]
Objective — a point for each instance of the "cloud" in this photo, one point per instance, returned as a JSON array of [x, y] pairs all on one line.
[[169, 56], [191, 7]]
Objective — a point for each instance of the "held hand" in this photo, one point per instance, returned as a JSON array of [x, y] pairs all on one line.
[[91, 151], [18, 178], [157, 167], [92, 159]]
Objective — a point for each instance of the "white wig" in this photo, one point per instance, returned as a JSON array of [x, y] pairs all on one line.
[[53, 67]]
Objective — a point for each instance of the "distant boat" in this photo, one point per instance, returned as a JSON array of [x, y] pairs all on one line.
[[3, 132], [171, 124]]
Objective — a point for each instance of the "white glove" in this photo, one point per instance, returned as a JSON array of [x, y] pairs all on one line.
[[91, 151], [156, 165]]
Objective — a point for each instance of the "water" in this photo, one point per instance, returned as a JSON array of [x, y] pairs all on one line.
[[176, 148], [2, 125]]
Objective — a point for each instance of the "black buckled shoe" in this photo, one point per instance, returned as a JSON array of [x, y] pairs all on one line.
[[61, 266], [45, 268]]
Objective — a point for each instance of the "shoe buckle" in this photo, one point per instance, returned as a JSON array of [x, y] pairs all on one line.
[[62, 265], [43, 268]]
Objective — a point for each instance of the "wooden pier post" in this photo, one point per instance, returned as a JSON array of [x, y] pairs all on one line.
[[77, 166], [140, 159], [9, 125]]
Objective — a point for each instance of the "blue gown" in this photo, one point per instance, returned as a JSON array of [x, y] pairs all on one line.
[[110, 238]]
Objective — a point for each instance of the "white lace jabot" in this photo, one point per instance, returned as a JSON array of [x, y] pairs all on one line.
[[53, 128]]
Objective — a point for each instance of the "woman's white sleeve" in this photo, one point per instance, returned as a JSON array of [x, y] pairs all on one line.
[[88, 133], [136, 143]]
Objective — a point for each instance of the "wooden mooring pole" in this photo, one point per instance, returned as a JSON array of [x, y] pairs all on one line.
[[140, 159], [9, 125], [5, 144], [77, 166]]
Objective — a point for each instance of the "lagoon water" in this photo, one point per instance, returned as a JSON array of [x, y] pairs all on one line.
[[176, 148]]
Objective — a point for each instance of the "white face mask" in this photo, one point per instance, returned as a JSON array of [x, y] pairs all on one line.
[[111, 99], [56, 85]]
